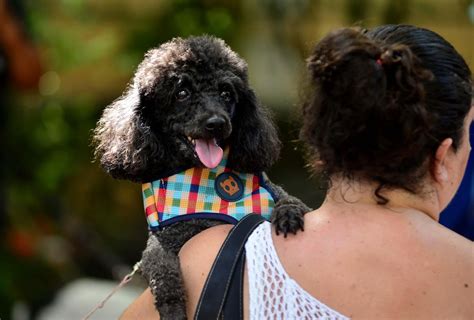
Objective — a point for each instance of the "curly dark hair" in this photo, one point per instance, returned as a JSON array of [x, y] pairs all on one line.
[[143, 135], [381, 103]]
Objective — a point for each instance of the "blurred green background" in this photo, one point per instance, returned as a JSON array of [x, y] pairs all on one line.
[[61, 217]]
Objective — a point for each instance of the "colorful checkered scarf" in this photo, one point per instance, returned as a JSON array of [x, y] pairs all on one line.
[[217, 193]]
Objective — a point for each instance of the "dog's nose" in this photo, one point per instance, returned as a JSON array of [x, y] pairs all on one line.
[[215, 124]]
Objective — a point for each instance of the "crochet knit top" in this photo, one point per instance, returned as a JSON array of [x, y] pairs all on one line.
[[272, 293]]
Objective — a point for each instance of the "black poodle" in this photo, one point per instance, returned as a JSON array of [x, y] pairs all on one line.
[[190, 107]]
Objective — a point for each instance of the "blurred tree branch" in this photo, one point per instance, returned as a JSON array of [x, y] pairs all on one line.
[[22, 57]]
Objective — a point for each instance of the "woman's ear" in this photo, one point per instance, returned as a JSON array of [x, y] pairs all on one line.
[[440, 166]]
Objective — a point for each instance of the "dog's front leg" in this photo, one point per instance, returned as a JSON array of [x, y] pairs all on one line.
[[288, 213], [162, 270]]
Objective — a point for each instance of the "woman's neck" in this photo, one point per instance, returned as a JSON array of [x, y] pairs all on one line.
[[362, 193]]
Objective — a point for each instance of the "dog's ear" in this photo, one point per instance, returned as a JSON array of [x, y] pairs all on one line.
[[254, 141], [124, 143]]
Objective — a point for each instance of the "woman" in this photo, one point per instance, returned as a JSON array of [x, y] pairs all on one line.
[[387, 123]]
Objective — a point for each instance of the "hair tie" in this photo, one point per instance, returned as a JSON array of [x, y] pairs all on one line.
[[379, 61]]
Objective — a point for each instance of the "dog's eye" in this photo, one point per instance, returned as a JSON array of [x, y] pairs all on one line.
[[182, 94], [226, 95]]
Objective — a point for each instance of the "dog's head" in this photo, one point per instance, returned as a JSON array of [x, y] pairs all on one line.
[[188, 100]]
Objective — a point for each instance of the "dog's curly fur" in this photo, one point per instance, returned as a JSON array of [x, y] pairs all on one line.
[[177, 92]]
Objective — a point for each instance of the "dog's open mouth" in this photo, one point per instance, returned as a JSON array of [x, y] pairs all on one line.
[[208, 151]]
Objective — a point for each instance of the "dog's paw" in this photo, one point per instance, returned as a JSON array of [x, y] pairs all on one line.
[[289, 218]]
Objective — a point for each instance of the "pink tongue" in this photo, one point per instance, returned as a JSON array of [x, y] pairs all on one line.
[[209, 152]]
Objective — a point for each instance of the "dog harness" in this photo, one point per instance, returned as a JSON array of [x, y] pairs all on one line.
[[217, 193]]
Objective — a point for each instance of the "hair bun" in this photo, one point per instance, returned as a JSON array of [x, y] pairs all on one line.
[[404, 73], [338, 48], [348, 54], [376, 112], [367, 105]]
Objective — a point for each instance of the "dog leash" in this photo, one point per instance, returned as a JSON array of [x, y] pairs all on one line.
[[124, 281], [222, 293]]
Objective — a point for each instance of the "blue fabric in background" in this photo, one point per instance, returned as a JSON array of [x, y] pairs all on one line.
[[459, 215]]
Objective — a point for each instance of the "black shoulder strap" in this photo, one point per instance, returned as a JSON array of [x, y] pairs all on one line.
[[233, 304], [225, 278]]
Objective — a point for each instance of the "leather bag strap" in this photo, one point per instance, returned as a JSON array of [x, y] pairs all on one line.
[[225, 280]]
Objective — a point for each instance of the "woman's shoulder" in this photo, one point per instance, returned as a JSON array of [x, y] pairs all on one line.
[[196, 259], [444, 245], [453, 252], [203, 247], [207, 240], [447, 269], [199, 252]]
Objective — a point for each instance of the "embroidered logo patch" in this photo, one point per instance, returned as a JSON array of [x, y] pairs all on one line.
[[229, 186]]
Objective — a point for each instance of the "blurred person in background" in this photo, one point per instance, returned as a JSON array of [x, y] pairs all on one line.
[[388, 122]]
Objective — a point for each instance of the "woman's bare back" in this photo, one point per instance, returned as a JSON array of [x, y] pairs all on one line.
[[382, 264], [391, 266]]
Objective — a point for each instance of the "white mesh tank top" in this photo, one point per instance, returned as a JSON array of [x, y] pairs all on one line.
[[272, 293]]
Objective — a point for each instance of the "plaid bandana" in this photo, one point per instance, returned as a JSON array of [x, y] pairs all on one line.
[[217, 193]]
